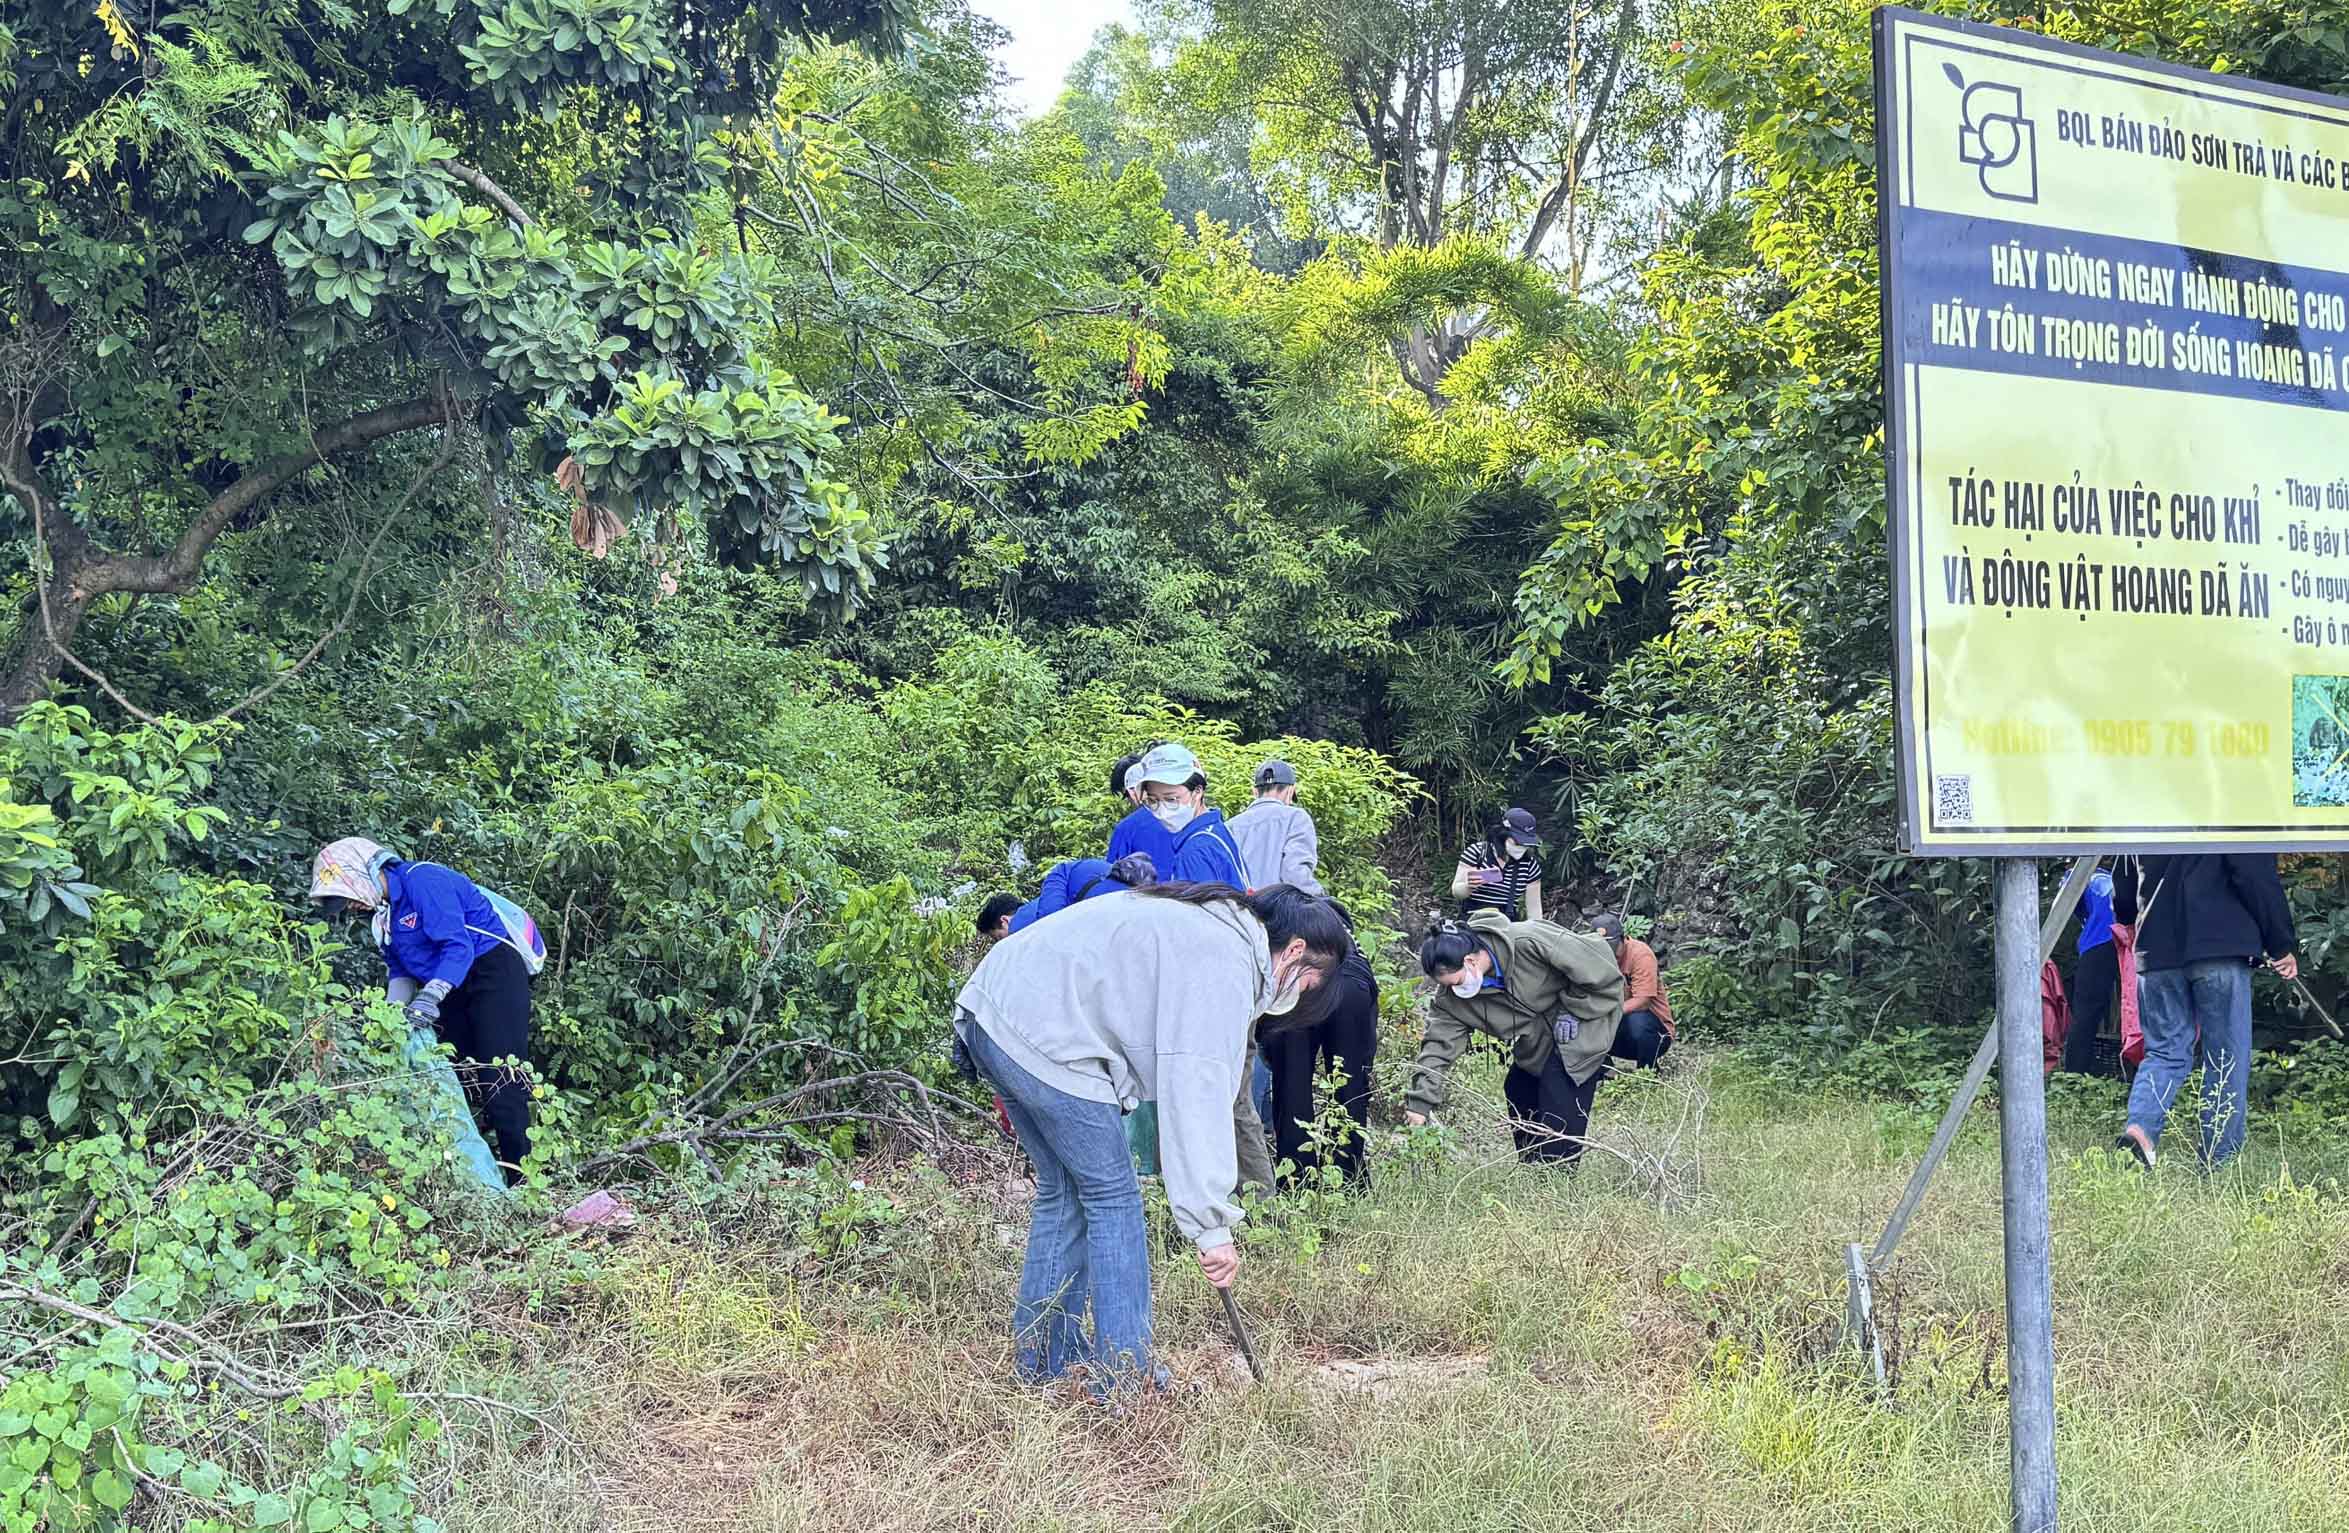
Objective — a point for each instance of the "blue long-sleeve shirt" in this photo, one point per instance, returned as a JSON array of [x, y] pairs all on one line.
[[439, 923], [1141, 832], [1065, 883], [2096, 911], [1205, 853]]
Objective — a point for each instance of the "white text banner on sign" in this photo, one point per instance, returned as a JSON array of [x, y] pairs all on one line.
[[2116, 330]]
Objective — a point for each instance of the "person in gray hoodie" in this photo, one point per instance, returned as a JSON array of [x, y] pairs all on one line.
[[1278, 841], [1134, 997]]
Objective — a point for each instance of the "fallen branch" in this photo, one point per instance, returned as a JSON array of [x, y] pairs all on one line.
[[771, 1119], [205, 1354]]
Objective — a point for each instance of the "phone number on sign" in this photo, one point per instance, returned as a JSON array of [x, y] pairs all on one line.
[[2227, 739]]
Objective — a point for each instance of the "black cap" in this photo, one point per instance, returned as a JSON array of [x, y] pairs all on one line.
[[1518, 825], [1276, 774]]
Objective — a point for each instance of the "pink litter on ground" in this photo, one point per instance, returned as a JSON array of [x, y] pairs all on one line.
[[598, 1210]]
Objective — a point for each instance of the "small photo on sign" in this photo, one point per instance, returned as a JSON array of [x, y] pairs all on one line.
[[2320, 742]]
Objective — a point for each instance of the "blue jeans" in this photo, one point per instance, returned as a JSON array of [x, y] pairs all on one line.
[[1086, 1246], [2213, 998]]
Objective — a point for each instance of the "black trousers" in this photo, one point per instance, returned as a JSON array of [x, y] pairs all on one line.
[[1641, 1039], [485, 1018], [1548, 1113], [1347, 1040], [2096, 984]]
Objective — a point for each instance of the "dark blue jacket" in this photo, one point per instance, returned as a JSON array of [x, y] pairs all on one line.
[[2206, 905], [439, 923], [1065, 883], [1141, 832], [1205, 853]]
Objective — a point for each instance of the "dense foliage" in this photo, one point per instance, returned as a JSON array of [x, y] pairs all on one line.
[[707, 473]]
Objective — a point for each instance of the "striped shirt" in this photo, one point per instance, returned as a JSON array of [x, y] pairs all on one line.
[[1507, 896]]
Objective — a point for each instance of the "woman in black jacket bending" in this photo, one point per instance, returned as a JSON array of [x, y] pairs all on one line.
[[1339, 1029]]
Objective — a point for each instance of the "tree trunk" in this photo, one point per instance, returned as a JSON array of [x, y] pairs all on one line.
[[32, 661]]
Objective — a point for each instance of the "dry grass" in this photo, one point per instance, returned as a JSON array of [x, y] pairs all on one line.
[[1611, 1351]]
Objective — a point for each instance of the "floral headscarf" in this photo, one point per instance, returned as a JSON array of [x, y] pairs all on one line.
[[352, 869]]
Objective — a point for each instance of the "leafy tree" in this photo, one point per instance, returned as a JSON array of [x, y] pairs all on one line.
[[1403, 123], [1118, 103], [2295, 42], [248, 246]]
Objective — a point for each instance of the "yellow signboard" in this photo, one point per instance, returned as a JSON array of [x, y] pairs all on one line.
[[2116, 332]]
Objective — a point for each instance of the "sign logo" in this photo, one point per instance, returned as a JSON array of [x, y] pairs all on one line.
[[1997, 139]]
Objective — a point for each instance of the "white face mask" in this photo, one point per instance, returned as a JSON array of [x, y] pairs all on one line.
[[1174, 816], [1516, 849], [1469, 985], [1290, 990]]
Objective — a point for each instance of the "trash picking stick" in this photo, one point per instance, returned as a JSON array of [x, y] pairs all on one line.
[[1231, 1312], [2330, 1025]]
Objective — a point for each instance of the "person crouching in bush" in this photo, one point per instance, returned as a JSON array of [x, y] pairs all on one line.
[[1065, 883], [460, 960], [1551, 997], [1140, 996]]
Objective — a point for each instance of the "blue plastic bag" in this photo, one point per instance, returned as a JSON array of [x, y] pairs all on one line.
[[449, 1109]]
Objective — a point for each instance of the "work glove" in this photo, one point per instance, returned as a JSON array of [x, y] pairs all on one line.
[[424, 1011]]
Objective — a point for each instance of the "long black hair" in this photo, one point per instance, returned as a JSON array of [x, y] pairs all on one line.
[[1317, 1005], [1286, 911], [1447, 947]]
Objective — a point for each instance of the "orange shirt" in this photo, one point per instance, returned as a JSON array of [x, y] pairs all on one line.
[[1643, 988]]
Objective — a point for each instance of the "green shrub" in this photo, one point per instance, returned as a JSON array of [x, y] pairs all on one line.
[[1744, 792], [1006, 755], [888, 963], [79, 1438]]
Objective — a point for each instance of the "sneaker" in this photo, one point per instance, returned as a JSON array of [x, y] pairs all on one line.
[[2134, 1141]]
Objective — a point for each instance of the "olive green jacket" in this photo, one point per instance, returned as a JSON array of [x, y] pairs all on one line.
[[1545, 970]]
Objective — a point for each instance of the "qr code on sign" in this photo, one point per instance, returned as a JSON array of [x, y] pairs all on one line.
[[1953, 799]]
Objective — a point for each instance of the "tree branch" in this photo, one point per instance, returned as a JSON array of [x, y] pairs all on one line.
[[175, 572], [23, 481], [1570, 174], [203, 1354], [479, 180], [391, 514]]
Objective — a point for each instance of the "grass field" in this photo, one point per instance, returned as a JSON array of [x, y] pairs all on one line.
[[1538, 1350]]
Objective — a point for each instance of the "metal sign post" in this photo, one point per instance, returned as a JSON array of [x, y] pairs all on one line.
[[2022, 1143]]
